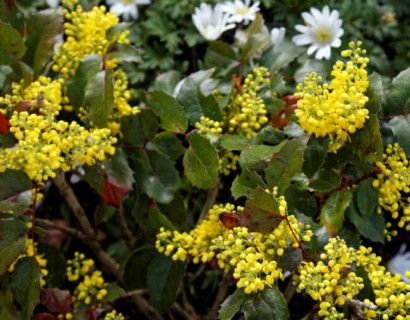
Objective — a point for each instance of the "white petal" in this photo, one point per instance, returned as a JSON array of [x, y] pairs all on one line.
[[301, 40], [323, 52], [336, 43], [312, 48], [309, 19]]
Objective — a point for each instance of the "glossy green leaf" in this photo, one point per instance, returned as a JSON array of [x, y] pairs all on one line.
[[195, 100], [399, 92], [156, 175], [138, 128], [271, 135], [375, 93], [320, 67], [236, 142], [267, 305], [171, 113], [201, 162], [113, 293], [87, 69], [325, 180], [245, 183], [332, 213], [136, 268], [315, 155], [367, 197], [285, 164], [11, 41], [175, 211], [12, 183], [168, 144], [231, 304], [25, 285], [157, 220], [259, 156], [366, 142], [401, 129], [56, 265], [99, 97], [124, 52], [220, 54], [167, 81], [301, 200], [17, 204], [290, 259], [44, 28], [294, 130], [7, 308], [279, 56], [371, 227], [261, 213], [163, 279]]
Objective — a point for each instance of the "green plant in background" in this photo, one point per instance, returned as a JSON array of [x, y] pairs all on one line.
[[250, 178]]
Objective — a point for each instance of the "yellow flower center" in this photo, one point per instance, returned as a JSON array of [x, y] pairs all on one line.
[[242, 10], [127, 1], [323, 35]]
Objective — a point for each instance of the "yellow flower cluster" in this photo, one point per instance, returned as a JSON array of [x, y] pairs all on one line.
[[66, 316], [228, 162], [250, 254], [393, 183], [29, 252], [336, 109], [114, 316], [45, 144], [86, 34], [91, 289], [333, 281], [78, 267]]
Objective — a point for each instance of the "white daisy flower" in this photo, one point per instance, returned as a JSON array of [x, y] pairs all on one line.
[[127, 8], [241, 11], [211, 23], [53, 3], [322, 31], [400, 263], [277, 35]]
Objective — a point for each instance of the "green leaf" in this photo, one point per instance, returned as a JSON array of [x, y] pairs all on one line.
[[25, 285], [139, 128], [285, 164], [258, 156], [168, 144], [124, 53], [56, 265], [261, 213], [315, 155], [12, 183], [17, 204], [99, 97], [167, 81], [271, 135], [290, 259], [113, 293], [401, 129], [366, 142], [175, 211], [325, 180], [236, 142], [11, 41], [244, 184], [7, 308], [43, 30], [301, 200], [12, 240], [320, 67], [371, 227], [136, 268], [201, 162], [279, 56], [156, 175], [194, 101], [367, 197], [375, 93], [163, 279], [158, 220], [88, 68], [171, 113], [332, 213], [294, 130], [266, 305], [399, 93], [220, 54], [232, 304]]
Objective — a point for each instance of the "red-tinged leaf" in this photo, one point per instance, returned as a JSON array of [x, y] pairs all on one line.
[[56, 300], [113, 192], [45, 316], [230, 220], [22, 105], [4, 124], [91, 314], [56, 237], [282, 117]]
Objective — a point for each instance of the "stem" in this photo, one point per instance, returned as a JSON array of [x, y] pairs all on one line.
[[220, 296], [33, 218], [209, 202], [122, 222], [45, 223]]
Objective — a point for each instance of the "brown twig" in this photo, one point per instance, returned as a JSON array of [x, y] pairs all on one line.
[[209, 202], [134, 293], [357, 307], [289, 291], [220, 296], [122, 222], [186, 305], [45, 223]]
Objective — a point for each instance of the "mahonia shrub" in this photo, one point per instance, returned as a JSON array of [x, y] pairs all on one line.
[[259, 184]]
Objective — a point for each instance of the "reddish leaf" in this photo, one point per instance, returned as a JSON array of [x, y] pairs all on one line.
[[4, 124], [230, 220], [113, 192], [283, 115], [91, 314], [23, 105], [56, 300], [45, 316], [55, 237]]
